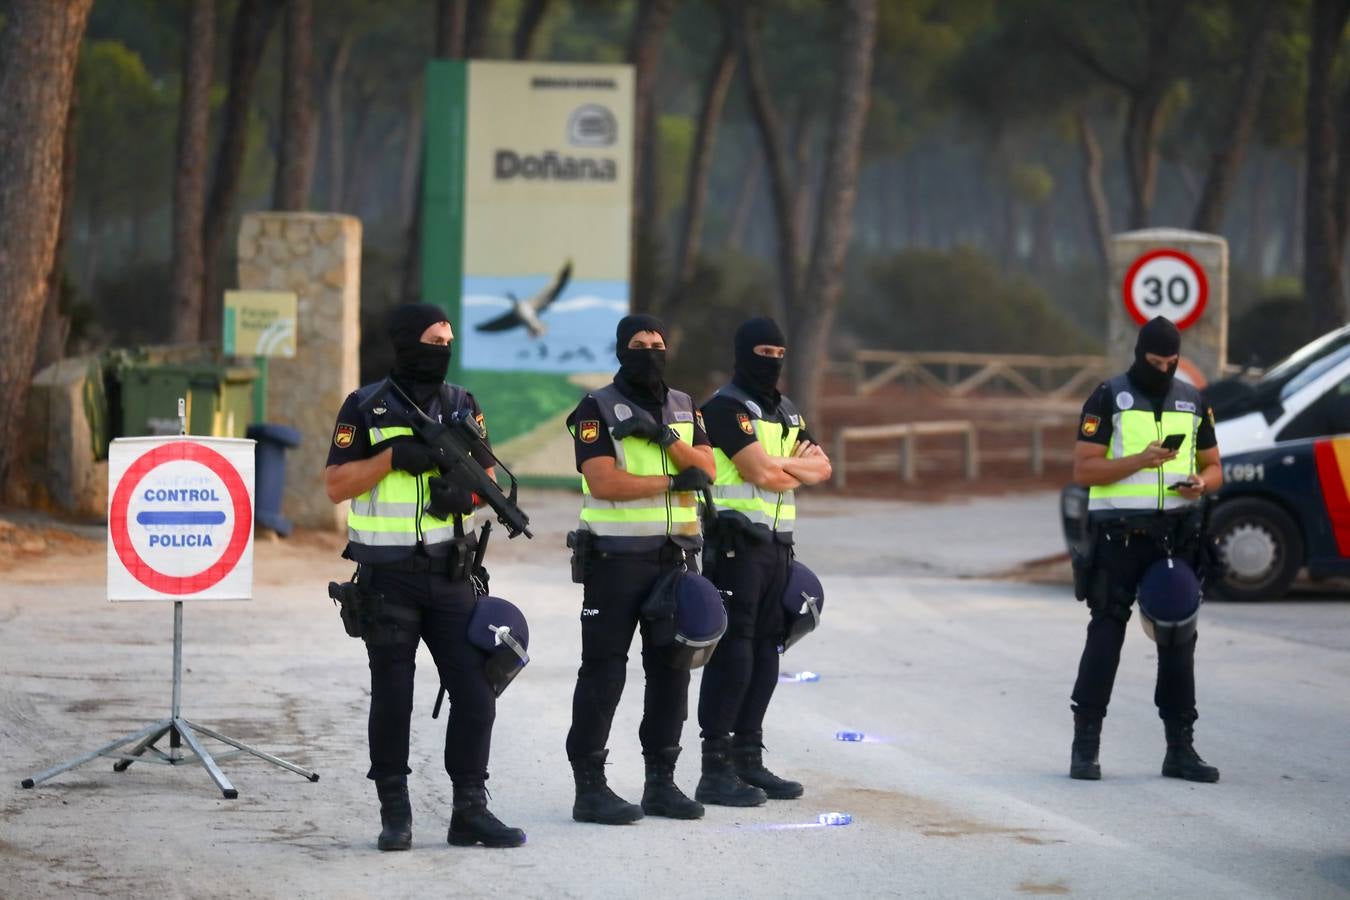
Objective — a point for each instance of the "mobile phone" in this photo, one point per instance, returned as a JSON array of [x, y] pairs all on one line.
[[1178, 485], [1173, 441]]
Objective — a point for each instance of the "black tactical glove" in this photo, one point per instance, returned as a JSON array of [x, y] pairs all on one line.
[[449, 499], [413, 457], [650, 429], [691, 479]]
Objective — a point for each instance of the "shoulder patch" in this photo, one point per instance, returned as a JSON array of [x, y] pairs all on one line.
[[344, 435], [743, 420], [482, 423], [1090, 425], [698, 417], [588, 431]]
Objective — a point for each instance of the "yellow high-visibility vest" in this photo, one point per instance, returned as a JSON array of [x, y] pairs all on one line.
[[775, 510], [668, 514], [1135, 425], [391, 515]]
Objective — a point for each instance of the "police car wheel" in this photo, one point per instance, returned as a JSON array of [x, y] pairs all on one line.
[[1261, 549]]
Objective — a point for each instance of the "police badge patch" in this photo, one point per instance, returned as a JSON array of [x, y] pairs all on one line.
[[1090, 425], [588, 431], [744, 421], [343, 437]]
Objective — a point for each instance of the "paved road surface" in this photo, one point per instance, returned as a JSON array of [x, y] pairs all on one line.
[[960, 682]]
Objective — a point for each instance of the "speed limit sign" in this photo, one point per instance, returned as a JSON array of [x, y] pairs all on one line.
[[1166, 283]]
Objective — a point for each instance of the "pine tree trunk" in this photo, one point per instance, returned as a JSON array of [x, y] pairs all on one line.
[[1099, 212], [700, 169], [39, 47], [55, 328], [644, 53], [527, 26], [189, 177], [252, 24], [295, 165], [811, 325], [1227, 158], [1321, 236], [768, 125]]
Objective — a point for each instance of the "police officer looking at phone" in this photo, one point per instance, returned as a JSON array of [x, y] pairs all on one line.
[[764, 452], [1147, 452], [643, 456], [410, 531]]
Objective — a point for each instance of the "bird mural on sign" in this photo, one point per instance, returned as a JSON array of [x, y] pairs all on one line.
[[527, 312]]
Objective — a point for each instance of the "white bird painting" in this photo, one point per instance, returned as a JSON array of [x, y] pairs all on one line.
[[527, 312]]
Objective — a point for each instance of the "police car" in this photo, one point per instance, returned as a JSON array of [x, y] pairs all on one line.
[[1285, 501]]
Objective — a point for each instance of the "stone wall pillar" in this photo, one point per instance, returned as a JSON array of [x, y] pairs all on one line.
[[318, 256]]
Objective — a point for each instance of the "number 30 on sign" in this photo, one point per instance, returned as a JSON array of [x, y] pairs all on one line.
[[1166, 283]]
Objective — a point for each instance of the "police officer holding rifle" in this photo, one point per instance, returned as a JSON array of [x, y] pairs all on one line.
[[410, 529]]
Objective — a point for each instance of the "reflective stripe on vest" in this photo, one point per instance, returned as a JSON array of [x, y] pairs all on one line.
[[391, 514], [772, 509], [1134, 428], [668, 513]]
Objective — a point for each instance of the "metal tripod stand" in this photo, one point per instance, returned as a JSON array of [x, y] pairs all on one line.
[[179, 730]]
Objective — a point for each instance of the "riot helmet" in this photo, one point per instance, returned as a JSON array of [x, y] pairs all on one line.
[[498, 628], [1169, 602], [803, 602], [685, 617]]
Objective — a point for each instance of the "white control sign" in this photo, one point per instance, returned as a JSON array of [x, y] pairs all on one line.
[[1167, 283], [180, 519]]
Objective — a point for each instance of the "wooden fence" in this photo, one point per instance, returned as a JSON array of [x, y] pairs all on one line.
[[908, 434], [960, 374]]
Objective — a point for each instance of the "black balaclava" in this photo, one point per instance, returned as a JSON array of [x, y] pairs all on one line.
[[641, 375], [758, 375], [1160, 337], [418, 368]]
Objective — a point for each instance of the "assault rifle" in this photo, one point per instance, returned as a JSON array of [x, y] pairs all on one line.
[[455, 442]]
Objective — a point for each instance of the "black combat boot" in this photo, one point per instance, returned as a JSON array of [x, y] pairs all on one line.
[[1087, 741], [720, 785], [1181, 760], [395, 813], [595, 801], [472, 823], [660, 795], [747, 754]]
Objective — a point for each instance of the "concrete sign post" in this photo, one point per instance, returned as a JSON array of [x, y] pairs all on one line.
[[1180, 275]]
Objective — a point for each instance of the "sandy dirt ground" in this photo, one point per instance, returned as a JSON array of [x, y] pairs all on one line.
[[958, 675]]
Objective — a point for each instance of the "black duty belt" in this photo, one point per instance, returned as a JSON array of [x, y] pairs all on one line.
[[456, 564], [671, 553]]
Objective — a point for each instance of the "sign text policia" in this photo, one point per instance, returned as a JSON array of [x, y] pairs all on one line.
[[180, 519]]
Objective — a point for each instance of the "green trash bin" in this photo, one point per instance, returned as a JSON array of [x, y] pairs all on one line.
[[219, 398]]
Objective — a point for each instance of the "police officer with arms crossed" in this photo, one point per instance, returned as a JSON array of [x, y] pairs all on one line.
[[1145, 519], [411, 532], [643, 455], [763, 453]]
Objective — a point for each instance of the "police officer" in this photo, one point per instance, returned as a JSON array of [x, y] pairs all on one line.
[[763, 453], [643, 455], [411, 532], [1142, 508]]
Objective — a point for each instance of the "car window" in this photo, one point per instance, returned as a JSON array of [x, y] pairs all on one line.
[[1313, 371], [1327, 415], [1301, 358]]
